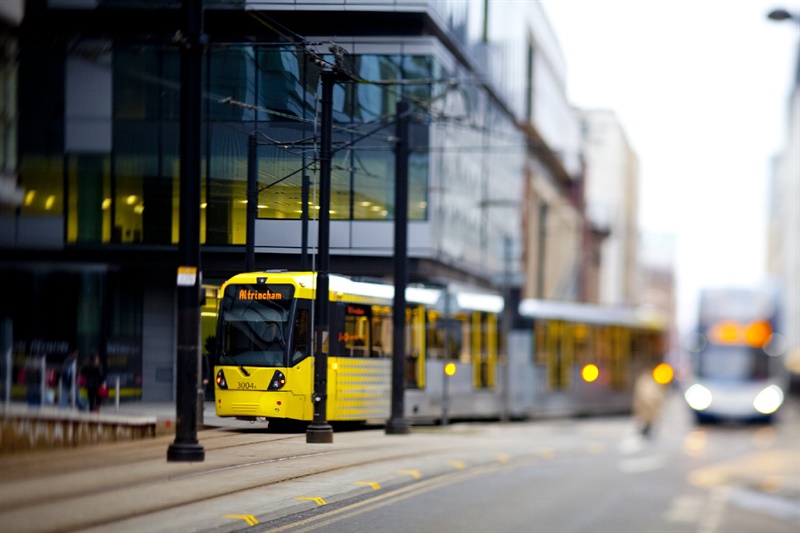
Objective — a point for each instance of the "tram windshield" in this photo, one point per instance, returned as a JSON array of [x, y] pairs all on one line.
[[254, 325], [732, 363]]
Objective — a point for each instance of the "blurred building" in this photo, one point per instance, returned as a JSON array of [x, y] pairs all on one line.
[[10, 18], [612, 203], [656, 293], [783, 245], [89, 244]]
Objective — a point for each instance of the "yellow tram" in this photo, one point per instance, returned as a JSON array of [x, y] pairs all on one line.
[[559, 358], [265, 363]]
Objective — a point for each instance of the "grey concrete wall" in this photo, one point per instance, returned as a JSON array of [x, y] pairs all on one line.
[[159, 340]]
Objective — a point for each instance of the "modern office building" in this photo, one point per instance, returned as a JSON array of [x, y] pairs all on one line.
[[612, 203], [89, 234]]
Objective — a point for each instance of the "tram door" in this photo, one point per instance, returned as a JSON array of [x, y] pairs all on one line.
[[415, 348], [484, 349], [554, 352]]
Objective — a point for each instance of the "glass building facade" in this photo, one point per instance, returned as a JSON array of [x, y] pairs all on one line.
[[98, 160]]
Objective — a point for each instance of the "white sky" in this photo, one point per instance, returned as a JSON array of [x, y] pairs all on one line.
[[701, 88]]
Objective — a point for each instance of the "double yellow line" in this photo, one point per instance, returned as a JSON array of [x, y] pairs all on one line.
[[389, 498]]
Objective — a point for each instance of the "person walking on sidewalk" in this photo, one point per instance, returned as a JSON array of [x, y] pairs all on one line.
[[95, 377], [69, 380], [648, 398]]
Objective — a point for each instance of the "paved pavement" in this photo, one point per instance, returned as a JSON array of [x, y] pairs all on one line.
[[166, 414], [284, 474]]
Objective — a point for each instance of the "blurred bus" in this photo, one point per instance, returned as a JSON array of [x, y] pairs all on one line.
[[736, 356]]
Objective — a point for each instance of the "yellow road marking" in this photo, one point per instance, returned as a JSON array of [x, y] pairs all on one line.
[[457, 464], [372, 484], [412, 473], [502, 457], [317, 523], [595, 447], [547, 453], [316, 499], [250, 519]]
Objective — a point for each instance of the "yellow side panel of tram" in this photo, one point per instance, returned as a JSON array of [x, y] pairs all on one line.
[[491, 324], [419, 344], [359, 388]]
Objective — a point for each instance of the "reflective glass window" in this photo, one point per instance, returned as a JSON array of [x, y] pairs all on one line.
[[142, 200], [283, 77], [226, 183], [231, 76], [42, 179], [89, 198]]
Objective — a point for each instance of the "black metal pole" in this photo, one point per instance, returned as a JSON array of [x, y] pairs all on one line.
[[319, 431], [185, 447], [252, 203], [397, 424], [506, 328], [447, 357], [304, 266]]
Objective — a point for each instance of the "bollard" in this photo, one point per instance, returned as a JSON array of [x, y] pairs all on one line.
[[9, 371], [43, 381], [6, 335], [116, 393], [73, 390]]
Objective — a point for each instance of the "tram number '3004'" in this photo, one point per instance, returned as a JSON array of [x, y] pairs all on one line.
[[245, 385]]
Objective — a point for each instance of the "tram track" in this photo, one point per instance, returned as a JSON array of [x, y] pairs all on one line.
[[91, 496], [43, 462]]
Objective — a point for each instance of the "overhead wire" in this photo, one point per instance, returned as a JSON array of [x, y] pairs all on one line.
[[392, 87]]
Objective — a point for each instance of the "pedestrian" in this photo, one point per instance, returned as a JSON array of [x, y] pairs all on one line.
[[69, 380], [95, 377], [205, 372], [648, 398]]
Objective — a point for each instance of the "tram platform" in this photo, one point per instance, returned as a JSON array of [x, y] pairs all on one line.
[[251, 477], [26, 427]]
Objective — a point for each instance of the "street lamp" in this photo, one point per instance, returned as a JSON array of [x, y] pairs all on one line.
[[781, 14]]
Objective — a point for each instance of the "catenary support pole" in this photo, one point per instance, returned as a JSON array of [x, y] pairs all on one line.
[[252, 203], [506, 328], [304, 266], [397, 424], [319, 431], [186, 448]]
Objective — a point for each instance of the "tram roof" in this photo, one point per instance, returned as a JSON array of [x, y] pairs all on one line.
[[433, 297], [591, 314]]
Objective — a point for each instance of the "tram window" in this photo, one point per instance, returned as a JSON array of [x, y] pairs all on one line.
[[381, 332], [300, 338], [444, 338], [482, 357], [463, 341], [602, 345], [435, 336], [581, 333], [356, 333], [540, 342], [412, 349]]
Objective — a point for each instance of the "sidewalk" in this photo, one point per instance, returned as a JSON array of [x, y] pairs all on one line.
[[166, 414], [25, 427]]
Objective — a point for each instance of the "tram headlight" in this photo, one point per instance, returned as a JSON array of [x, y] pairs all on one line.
[[698, 397], [220, 379], [768, 400], [278, 381]]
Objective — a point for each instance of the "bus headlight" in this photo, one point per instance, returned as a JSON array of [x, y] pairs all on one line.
[[220, 379], [698, 397], [278, 381], [768, 400]]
